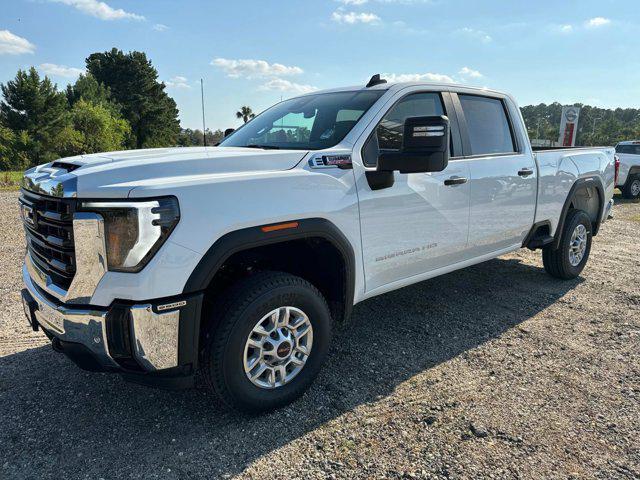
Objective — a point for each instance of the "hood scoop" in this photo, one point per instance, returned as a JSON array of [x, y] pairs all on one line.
[[69, 167]]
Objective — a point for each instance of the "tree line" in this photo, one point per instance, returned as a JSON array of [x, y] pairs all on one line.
[[120, 104], [596, 126]]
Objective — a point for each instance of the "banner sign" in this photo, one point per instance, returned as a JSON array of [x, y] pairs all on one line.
[[569, 126]]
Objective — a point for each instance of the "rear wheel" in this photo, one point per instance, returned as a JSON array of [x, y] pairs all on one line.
[[631, 189], [568, 260], [268, 341]]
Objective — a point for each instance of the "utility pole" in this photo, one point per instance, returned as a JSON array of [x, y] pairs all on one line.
[[204, 128], [595, 119]]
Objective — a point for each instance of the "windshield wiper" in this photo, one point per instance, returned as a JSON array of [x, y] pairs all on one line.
[[265, 147]]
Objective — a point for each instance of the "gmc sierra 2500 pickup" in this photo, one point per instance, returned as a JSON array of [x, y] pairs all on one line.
[[237, 259], [628, 180]]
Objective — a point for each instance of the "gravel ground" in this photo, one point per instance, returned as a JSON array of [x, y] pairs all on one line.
[[496, 371]]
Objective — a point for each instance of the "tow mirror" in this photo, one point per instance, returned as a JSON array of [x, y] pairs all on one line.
[[228, 132], [425, 147]]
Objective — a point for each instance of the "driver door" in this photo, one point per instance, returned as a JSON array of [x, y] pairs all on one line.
[[421, 222]]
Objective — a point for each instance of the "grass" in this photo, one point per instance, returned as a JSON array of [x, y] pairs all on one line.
[[10, 180]]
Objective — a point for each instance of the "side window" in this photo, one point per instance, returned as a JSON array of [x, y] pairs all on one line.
[[488, 126], [390, 130]]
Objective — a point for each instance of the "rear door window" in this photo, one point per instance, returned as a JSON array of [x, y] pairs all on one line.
[[487, 124]]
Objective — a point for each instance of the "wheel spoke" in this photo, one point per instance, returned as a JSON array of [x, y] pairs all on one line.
[[253, 343], [302, 349], [283, 316], [260, 330], [272, 377], [257, 372]]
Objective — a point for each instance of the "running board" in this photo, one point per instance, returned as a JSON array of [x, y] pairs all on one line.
[[539, 242]]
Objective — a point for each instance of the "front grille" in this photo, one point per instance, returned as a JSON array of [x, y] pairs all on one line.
[[48, 226]]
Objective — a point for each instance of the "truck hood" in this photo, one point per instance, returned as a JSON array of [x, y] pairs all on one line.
[[115, 174]]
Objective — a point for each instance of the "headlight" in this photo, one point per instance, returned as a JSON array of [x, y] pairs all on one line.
[[135, 230]]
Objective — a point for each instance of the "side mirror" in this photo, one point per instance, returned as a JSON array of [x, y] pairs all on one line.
[[425, 147], [228, 132]]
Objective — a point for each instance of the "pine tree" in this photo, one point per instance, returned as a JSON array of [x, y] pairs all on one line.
[[35, 111], [133, 83]]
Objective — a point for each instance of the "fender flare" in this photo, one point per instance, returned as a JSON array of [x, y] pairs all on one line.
[[592, 181], [252, 237], [635, 170]]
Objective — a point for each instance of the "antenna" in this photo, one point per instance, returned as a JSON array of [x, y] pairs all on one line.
[[375, 80], [204, 128]]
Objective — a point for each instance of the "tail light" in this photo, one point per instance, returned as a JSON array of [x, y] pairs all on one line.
[[617, 160]]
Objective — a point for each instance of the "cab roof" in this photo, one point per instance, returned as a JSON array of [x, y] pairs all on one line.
[[401, 85]]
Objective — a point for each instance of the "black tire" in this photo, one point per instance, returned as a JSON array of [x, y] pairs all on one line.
[[243, 305], [556, 261], [633, 183]]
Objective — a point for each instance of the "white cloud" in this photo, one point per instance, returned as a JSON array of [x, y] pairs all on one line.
[[178, 82], [470, 73], [160, 27], [353, 2], [283, 85], [417, 77], [11, 44], [254, 68], [565, 28], [481, 35], [597, 22], [100, 10], [340, 16], [61, 70]]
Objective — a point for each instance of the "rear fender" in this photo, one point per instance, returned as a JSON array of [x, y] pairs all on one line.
[[580, 184]]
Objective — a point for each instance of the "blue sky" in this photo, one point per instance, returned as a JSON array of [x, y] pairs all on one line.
[[255, 52]]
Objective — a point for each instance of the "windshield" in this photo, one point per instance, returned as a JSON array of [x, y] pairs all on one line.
[[312, 122]]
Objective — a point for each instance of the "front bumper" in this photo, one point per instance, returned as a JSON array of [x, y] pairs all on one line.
[[146, 341]]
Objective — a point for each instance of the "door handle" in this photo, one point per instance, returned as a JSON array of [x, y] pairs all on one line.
[[455, 181], [525, 172]]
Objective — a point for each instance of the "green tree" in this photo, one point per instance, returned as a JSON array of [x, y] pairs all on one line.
[[35, 112], [245, 113], [89, 89], [133, 83], [192, 138], [95, 128], [596, 126]]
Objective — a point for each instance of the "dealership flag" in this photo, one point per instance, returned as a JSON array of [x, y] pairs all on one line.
[[569, 126]]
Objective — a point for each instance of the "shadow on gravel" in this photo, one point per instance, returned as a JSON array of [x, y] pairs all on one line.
[[620, 200], [60, 422]]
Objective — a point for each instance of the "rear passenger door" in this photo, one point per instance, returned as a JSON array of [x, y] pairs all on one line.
[[503, 173]]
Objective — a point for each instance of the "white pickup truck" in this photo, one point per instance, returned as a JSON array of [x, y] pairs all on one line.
[[628, 180], [236, 260]]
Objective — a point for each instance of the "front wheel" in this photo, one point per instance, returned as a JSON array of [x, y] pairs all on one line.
[[568, 260], [631, 189], [268, 341]]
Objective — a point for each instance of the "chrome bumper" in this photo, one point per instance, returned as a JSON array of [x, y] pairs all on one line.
[[154, 335]]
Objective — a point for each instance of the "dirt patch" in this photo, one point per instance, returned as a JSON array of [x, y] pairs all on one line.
[[495, 371]]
